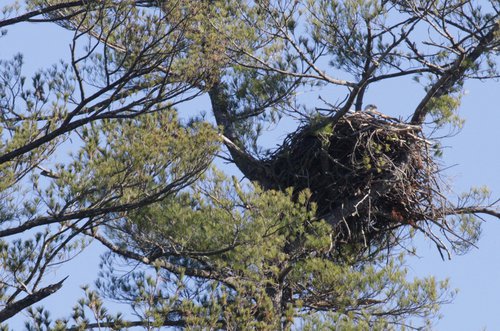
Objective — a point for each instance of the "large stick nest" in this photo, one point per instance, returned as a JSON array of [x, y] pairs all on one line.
[[368, 173]]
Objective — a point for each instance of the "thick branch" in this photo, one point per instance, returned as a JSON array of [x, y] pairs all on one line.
[[251, 167], [14, 308], [46, 10], [28, 17], [475, 210]]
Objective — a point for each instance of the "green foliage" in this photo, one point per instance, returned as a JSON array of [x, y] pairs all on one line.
[[252, 242], [138, 156], [444, 108]]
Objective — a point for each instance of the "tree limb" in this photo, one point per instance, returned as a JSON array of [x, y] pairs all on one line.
[[14, 308], [46, 10], [454, 74], [251, 167], [475, 210]]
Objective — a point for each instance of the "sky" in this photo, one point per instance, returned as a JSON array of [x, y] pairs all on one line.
[[474, 154]]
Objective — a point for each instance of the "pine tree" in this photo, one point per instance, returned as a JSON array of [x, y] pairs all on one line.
[[310, 235]]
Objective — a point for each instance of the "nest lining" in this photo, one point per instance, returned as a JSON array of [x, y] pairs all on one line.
[[369, 174]]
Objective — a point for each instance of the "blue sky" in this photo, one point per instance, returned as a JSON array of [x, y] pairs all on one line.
[[475, 152]]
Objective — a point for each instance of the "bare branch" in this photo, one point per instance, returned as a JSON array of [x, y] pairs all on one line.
[[475, 210], [15, 307], [455, 73], [43, 11]]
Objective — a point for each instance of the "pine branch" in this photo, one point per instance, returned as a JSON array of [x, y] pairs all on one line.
[[42, 11], [475, 210], [454, 74], [115, 325], [14, 308], [251, 167]]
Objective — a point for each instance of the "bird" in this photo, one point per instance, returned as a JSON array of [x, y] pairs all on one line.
[[371, 107]]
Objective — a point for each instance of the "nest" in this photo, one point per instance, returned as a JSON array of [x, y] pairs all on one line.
[[369, 174]]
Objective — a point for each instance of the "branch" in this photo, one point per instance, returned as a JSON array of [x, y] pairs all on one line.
[[46, 10], [120, 324], [27, 17], [149, 260], [14, 308], [252, 168], [454, 74], [475, 210], [400, 73], [171, 188]]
